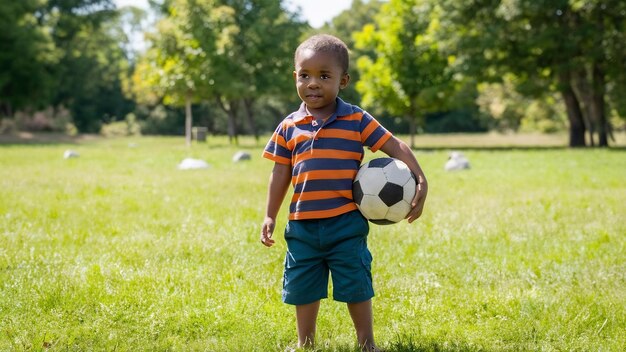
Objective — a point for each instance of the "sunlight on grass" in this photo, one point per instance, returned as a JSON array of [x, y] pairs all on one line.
[[119, 250]]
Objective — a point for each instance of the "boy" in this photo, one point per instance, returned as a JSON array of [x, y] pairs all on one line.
[[319, 149]]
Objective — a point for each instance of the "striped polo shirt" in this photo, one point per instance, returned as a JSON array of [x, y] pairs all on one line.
[[324, 159]]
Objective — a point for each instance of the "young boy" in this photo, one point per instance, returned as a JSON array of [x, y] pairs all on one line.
[[318, 149]]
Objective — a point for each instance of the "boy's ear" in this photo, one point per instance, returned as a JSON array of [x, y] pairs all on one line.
[[345, 79], [295, 76]]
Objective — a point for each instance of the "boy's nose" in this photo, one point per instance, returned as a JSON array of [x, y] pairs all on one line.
[[313, 83]]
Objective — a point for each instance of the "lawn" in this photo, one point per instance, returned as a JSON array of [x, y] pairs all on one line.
[[119, 250]]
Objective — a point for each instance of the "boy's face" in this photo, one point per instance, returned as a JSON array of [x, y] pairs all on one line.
[[319, 77]]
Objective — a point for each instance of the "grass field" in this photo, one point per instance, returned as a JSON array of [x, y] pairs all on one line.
[[117, 250]]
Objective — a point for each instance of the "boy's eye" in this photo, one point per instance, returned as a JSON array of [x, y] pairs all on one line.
[[325, 76], [304, 75]]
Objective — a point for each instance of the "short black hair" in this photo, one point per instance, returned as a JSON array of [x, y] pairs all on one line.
[[328, 44]]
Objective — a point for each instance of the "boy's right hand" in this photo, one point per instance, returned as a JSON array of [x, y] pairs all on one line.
[[266, 232]]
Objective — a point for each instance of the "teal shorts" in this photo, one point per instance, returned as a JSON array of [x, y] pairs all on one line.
[[336, 245]]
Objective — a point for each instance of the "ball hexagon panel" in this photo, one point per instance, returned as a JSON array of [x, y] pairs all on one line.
[[397, 172], [409, 190], [373, 207], [398, 211], [372, 180]]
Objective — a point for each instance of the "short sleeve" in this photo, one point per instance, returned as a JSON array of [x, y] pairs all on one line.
[[373, 134], [276, 148]]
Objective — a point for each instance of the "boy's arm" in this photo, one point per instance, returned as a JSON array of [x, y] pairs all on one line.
[[396, 148], [277, 189]]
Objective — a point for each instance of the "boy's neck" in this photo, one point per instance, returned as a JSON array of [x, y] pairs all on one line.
[[322, 114]]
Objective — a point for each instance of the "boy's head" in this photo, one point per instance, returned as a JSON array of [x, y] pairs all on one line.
[[325, 43], [321, 70]]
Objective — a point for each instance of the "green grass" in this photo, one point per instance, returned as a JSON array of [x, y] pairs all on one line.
[[119, 250]]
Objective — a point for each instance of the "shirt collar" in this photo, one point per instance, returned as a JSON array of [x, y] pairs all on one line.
[[342, 109]]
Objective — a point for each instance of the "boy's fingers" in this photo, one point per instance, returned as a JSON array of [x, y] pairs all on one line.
[[266, 236]]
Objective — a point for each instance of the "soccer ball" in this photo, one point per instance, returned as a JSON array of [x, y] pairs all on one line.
[[383, 190]]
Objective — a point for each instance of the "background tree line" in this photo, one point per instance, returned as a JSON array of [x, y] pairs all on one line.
[[420, 65]]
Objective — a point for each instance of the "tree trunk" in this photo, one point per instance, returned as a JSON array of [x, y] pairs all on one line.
[[597, 105], [6, 110], [230, 108], [248, 105], [584, 93], [412, 119], [188, 119], [412, 131], [574, 113]]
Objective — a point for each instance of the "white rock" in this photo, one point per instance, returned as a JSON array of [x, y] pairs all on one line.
[[241, 155], [70, 154], [456, 161], [192, 164]]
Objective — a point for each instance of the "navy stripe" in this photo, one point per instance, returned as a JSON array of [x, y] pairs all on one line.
[[276, 149], [325, 164], [339, 144], [375, 137], [324, 204], [289, 133], [339, 184]]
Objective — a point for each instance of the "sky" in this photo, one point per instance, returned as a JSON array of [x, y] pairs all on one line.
[[316, 12]]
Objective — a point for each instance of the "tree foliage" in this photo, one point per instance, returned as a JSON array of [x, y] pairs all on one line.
[[408, 74], [569, 46], [27, 53], [230, 53], [62, 53], [438, 65]]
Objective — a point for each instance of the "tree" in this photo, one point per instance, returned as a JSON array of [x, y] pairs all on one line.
[[344, 26], [87, 78], [231, 53], [258, 62], [27, 54], [562, 45], [181, 64], [408, 75]]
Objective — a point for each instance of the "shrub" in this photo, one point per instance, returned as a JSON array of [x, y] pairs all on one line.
[[128, 127]]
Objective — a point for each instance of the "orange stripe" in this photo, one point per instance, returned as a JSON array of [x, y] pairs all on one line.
[[276, 158], [299, 138], [339, 133], [320, 214], [326, 154], [324, 175], [321, 195], [278, 139], [381, 141], [371, 127]]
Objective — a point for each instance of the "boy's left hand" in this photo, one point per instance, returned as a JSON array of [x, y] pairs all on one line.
[[418, 201]]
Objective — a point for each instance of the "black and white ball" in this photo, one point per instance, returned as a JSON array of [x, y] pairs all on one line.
[[383, 190]]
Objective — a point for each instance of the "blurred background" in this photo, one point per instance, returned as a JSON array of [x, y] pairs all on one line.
[[158, 67]]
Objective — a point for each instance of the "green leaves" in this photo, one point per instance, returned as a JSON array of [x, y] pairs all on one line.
[[408, 74]]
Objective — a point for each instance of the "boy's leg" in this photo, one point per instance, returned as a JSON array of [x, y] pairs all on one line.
[[306, 317], [362, 317]]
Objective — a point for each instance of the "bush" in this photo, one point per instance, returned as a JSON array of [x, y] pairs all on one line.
[[7, 126], [128, 127], [51, 119]]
